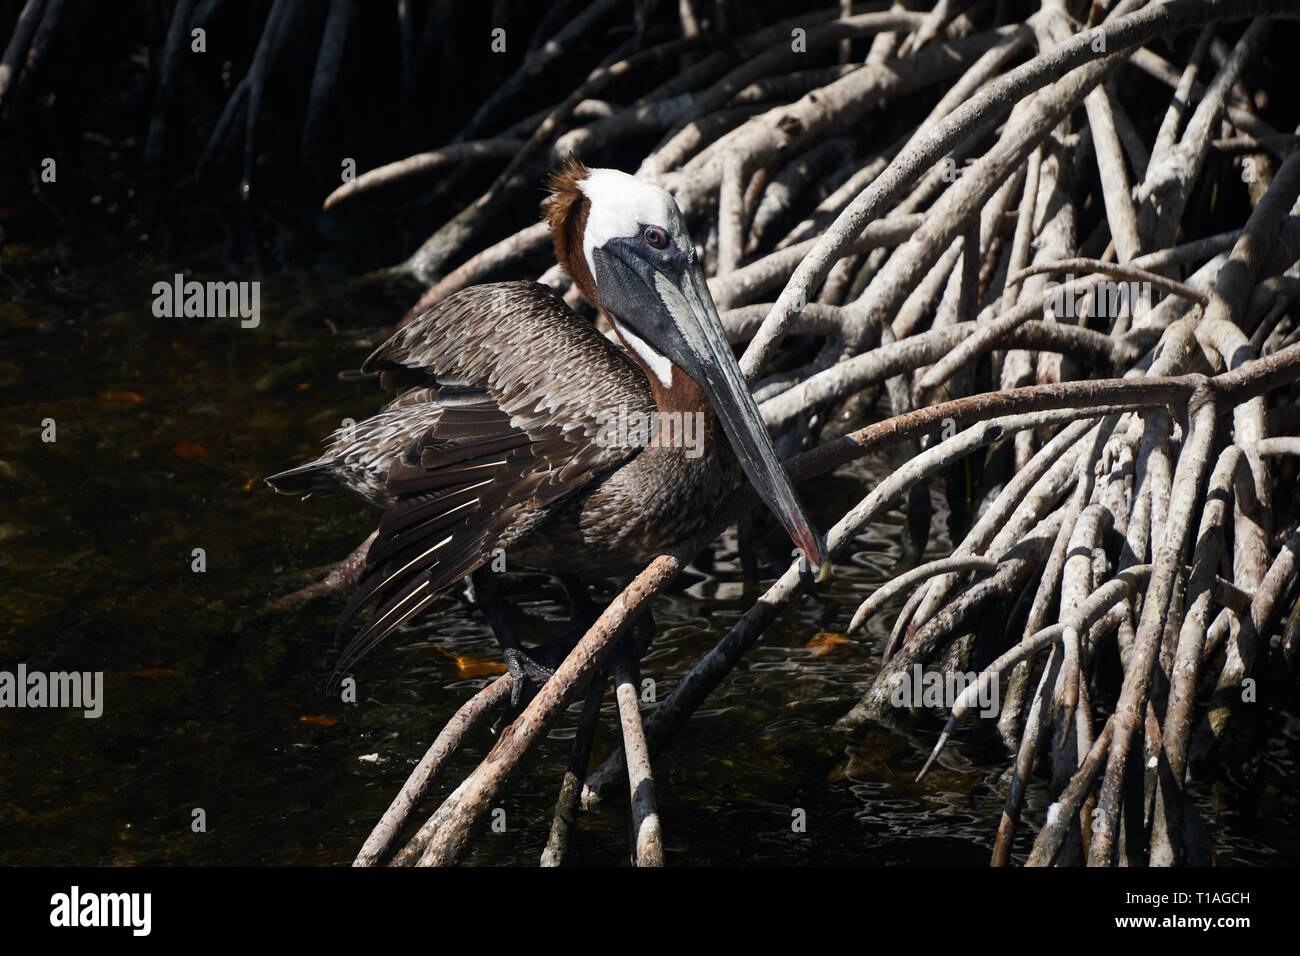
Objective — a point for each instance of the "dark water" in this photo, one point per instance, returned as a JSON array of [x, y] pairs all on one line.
[[164, 431]]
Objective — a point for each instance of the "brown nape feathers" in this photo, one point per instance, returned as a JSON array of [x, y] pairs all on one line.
[[566, 211]]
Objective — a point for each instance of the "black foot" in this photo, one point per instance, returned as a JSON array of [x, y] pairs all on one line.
[[523, 668]]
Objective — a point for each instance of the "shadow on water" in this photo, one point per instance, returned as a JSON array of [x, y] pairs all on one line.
[[165, 428]]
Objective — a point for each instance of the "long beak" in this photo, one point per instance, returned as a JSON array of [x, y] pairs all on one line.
[[708, 359]]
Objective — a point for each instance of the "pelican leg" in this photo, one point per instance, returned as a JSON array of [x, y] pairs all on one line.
[[641, 635], [522, 666], [583, 612]]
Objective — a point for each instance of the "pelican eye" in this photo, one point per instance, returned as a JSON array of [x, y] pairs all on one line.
[[655, 237]]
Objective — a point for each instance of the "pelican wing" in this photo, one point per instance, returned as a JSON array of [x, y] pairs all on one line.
[[521, 387]]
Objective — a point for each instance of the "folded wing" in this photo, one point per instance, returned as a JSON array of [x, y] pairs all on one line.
[[510, 390]]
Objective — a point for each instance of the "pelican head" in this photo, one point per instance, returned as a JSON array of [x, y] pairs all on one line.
[[625, 244]]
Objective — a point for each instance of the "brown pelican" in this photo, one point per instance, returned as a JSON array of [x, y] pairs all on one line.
[[511, 426]]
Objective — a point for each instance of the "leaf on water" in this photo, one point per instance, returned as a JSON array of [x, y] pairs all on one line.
[[467, 666], [825, 642], [317, 720], [190, 451], [124, 398], [478, 667]]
